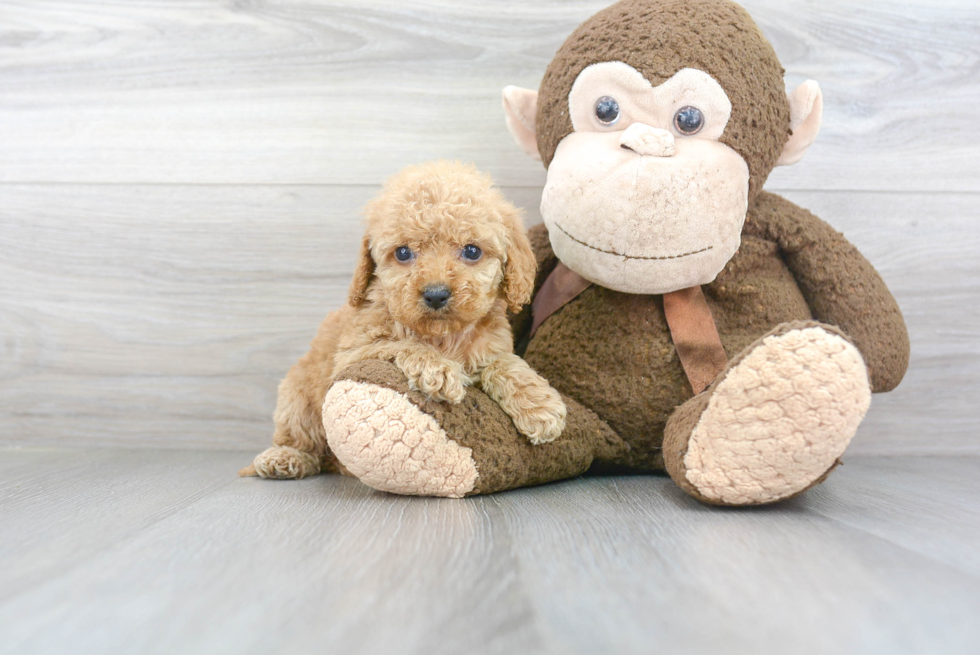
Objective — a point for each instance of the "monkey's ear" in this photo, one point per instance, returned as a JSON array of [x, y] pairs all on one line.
[[805, 114], [520, 106], [362, 275], [521, 265]]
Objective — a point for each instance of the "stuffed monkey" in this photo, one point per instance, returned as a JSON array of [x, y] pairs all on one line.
[[693, 322]]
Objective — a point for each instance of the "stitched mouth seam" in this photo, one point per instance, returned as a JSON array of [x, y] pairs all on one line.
[[619, 254]]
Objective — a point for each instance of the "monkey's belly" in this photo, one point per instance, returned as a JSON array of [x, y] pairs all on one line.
[[612, 352]]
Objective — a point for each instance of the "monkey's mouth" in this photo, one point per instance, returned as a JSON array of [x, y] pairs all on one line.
[[625, 256]]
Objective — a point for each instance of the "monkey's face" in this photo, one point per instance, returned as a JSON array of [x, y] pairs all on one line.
[[642, 197]]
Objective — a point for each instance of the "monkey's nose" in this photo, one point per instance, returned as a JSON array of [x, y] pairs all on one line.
[[645, 140], [436, 296]]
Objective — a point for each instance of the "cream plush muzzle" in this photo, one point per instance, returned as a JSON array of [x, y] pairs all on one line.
[[645, 224], [635, 205]]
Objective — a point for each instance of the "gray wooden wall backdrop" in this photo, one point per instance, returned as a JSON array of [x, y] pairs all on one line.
[[180, 184]]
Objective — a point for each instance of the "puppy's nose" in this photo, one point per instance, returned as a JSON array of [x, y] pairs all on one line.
[[436, 296]]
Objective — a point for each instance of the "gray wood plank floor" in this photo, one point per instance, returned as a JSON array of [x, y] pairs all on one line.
[[143, 551]]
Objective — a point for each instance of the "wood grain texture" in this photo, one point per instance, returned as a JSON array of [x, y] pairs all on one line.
[[348, 92], [179, 190], [165, 316], [61, 507], [880, 559]]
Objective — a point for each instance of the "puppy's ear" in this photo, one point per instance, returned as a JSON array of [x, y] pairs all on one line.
[[520, 268], [362, 275]]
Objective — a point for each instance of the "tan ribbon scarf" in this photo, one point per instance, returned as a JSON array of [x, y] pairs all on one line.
[[561, 287], [692, 328]]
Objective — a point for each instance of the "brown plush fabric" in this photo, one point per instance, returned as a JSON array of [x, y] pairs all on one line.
[[505, 459], [682, 422], [840, 285], [718, 37], [611, 356], [612, 352], [677, 434]]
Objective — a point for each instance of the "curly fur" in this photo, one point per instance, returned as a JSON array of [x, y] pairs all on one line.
[[435, 209]]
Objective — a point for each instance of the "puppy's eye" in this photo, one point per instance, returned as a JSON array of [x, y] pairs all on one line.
[[472, 253], [607, 110], [689, 120], [404, 254]]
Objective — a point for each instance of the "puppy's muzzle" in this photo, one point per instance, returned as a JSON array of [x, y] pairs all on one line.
[[436, 296]]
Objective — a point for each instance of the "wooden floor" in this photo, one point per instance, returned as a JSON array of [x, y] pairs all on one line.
[[144, 551]]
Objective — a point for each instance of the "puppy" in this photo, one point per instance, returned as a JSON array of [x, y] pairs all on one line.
[[443, 258]]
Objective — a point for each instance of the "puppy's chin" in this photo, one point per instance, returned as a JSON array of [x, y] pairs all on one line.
[[433, 324], [459, 315]]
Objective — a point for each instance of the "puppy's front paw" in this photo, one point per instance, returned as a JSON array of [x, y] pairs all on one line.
[[440, 379], [540, 416], [283, 463]]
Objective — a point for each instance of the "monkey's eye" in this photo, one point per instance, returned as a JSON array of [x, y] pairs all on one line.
[[404, 254], [607, 110], [471, 253], [689, 120]]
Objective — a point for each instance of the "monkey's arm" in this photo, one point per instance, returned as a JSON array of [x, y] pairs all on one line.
[[371, 335], [840, 286], [520, 323], [426, 368]]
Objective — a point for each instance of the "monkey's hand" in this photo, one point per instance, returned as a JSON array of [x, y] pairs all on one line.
[[432, 374]]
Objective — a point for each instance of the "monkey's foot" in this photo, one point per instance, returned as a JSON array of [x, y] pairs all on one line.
[[397, 440], [390, 444], [283, 463], [774, 423]]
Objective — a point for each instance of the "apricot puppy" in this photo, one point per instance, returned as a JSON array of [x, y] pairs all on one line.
[[443, 258]]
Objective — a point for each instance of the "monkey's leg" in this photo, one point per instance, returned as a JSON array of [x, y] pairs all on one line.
[[775, 421], [397, 440]]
